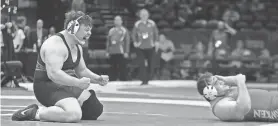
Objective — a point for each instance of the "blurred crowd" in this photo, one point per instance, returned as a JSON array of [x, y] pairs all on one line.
[[17, 37], [223, 17]]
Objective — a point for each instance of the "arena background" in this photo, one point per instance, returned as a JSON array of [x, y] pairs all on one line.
[[171, 93]]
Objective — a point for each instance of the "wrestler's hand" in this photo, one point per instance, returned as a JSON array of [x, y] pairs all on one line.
[[84, 83], [103, 80], [241, 78]]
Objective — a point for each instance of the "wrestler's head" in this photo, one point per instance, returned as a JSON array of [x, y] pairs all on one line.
[[211, 87], [79, 25]]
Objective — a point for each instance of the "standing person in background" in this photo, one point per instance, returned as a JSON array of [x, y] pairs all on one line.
[[167, 48], [38, 36], [78, 5], [19, 37], [145, 38], [118, 46], [52, 31]]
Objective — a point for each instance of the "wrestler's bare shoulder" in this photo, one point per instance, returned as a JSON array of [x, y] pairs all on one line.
[[54, 43]]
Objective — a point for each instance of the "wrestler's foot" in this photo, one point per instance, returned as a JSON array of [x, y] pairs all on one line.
[[26, 114]]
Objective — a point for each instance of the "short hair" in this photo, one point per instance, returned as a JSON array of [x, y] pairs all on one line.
[[201, 83], [73, 15]]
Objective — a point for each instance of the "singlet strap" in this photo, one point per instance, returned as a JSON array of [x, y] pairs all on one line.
[[64, 40]]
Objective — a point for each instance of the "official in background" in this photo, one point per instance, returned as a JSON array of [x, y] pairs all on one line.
[[38, 36], [145, 38], [118, 46]]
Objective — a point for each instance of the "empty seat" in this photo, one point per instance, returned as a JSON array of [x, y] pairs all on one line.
[[247, 18], [170, 17], [273, 18], [163, 24], [241, 25], [97, 22], [257, 25], [178, 25], [95, 15], [261, 18], [271, 26], [157, 16], [212, 24], [155, 9], [199, 24], [102, 30]]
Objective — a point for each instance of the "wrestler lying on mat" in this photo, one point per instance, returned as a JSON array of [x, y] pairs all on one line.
[[238, 103], [62, 79]]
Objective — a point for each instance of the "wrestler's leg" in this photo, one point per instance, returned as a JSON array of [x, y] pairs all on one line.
[[91, 108], [66, 110]]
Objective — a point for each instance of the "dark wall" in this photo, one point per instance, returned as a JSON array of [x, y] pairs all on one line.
[[52, 12]]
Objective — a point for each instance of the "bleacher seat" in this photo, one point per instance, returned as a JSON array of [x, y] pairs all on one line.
[[156, 17], [178, 24], [155, 9], [170, 17], [102, 30], [273, 18], [257, 25], [212, 24], [95, 15], [163, 24], [261, 18], [247, 18], [272, 10], [97, 22], [271, 26], [199, 24], [241, 25]]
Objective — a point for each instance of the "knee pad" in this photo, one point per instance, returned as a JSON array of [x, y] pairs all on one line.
[[91, 108]]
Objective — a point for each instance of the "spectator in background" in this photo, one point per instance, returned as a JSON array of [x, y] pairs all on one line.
[[38, 36], [118, 44], [52, 31], [265, 63], [242, 6], [78, 5], [214, 13], [219, 42], [222, 33], [167, 48], [256, 6], [19, 37], [184, 13], [230, 16], [197, 60], [27, 32], [7, 35], [145, 38], [238, 53]]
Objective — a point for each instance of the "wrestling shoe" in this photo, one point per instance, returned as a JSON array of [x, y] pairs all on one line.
[[26, 114]]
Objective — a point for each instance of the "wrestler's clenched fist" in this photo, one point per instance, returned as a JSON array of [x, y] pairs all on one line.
[[84, 82]]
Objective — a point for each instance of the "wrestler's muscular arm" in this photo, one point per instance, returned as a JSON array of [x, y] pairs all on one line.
[[54, 54], [229, 109], [82, 70]]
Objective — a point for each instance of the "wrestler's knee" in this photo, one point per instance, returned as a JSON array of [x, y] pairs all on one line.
[[72, 110], [72, 117]]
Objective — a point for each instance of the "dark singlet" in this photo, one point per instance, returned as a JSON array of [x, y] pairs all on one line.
[[68, 66], [264, 105]]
